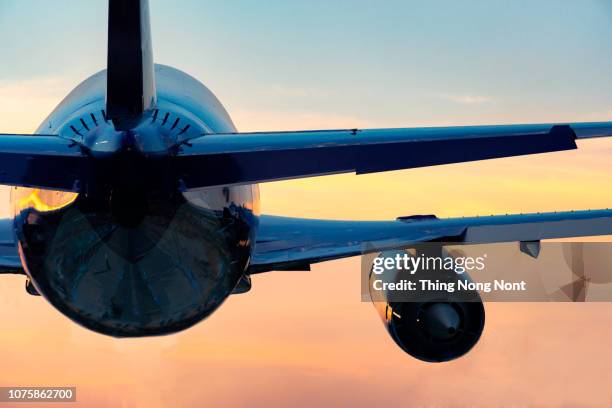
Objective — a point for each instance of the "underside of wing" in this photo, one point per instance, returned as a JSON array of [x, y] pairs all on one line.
[[285, 243], [268, 156]]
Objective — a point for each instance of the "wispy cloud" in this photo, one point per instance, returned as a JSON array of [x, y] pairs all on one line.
[[602, 115], [261, 120], [293, 91], [465, 99], [25, 103]]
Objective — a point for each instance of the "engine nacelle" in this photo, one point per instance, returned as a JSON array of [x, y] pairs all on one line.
[[432, 327]]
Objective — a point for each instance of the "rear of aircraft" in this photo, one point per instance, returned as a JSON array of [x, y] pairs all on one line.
[[130, 252]]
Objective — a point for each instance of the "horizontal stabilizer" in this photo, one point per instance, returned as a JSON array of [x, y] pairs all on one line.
[[43, 161], [268, 156]]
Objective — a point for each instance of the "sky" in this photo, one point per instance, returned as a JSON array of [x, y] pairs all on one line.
[[305, 338]]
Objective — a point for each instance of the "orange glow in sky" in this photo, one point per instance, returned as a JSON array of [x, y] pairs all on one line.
[[305, 339]]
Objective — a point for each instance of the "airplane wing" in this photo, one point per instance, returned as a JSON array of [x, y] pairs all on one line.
[[9, 255], [267, 156], [285, 243]]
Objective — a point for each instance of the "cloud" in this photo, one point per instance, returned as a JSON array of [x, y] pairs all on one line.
[[25, 103], [261, 120], [603, 115], [465, 99], [281, 90]]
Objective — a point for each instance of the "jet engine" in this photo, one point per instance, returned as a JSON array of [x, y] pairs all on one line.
[[433, 326]]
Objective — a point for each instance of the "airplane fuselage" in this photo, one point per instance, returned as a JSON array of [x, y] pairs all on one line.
[[135, 253]]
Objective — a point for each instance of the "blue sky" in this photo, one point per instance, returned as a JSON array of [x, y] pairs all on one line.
[[381, 64]]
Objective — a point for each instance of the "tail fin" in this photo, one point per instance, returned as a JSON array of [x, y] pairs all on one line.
[[130, 85]]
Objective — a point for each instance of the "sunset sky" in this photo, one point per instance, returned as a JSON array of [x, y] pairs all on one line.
[[304, 338]]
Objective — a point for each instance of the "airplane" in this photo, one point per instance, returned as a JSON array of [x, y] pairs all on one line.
[[136, 202]]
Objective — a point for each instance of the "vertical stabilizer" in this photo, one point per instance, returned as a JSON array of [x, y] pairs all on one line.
[[130, 85]]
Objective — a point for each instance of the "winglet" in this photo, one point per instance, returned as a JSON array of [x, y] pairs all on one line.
[[130, 85]]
